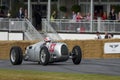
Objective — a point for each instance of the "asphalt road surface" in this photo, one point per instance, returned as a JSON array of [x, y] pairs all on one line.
[[87, 66]]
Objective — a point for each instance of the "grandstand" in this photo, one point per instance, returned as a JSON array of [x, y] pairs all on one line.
[[69, 29], [22, 29]]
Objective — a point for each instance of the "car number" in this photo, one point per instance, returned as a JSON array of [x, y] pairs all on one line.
[[52, 46]]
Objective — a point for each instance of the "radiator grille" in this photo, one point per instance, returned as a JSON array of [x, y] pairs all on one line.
[[64, 50]]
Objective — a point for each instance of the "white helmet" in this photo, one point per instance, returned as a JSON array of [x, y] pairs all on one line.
[[47, 39]]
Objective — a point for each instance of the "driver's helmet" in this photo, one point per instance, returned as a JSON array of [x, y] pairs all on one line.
[[47, 39]]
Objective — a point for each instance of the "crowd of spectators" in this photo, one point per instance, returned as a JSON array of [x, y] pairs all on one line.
[[106, 35], [102, 15], [78, 16], [21, 13]]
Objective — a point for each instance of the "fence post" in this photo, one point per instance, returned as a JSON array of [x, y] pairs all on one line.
[[98, 27]]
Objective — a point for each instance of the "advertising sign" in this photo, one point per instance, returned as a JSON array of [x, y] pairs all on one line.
[[111, 48]]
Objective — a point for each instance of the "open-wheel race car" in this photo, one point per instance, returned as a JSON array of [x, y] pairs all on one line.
[[45, 53]]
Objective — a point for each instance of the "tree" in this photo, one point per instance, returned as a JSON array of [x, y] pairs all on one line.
[[63, 9], [75, 8]]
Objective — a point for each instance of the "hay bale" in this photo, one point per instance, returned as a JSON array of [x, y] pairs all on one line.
[[6, 46], [111, 55], [90, 48]]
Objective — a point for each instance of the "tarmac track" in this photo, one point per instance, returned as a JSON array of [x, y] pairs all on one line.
[[87, 66]]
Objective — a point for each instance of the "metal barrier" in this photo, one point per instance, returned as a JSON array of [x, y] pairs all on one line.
[[24, 25], [58, 25], [49, 31], [68, 25], [17, 25], [12, 24], [31, 31]]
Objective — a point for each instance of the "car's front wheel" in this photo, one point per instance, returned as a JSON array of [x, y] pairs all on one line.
[[44, 56], [16, 55]]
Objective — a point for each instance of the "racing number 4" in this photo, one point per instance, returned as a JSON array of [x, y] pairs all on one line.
[[52, 46]]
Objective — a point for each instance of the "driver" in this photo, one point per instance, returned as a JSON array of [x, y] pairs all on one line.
[[47, 40]]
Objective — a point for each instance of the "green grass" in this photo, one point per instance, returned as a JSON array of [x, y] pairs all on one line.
[[6, 74]]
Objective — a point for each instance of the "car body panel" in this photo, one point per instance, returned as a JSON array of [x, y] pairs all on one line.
[[58, 51]]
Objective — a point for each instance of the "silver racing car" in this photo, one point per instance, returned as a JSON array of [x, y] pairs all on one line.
[[45, 52]]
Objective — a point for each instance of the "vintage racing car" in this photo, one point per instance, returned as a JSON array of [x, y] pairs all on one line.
[[45, 53]]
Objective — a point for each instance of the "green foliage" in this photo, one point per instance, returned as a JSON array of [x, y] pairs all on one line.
[[63, 9], [116, 7], [75, 8], [53, 7], [3, 7]]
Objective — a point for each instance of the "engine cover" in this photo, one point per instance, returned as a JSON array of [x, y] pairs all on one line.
[[58, 51]]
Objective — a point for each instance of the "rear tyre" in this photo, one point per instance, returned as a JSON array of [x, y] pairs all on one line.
[[16, 55], [76, 55], [44, 56]]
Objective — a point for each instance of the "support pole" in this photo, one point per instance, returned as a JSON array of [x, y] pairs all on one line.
[[29, 7], [48, 15], [10, 5], [48, 10], [91, 12], [1, 2]]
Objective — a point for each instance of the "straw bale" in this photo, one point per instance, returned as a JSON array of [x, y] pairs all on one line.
[[5, 47], [90, 48], [111, 55], [72, 43]]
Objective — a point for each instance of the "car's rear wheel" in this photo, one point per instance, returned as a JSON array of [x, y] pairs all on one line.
[[76, 55], [16, 55], [44, 56]]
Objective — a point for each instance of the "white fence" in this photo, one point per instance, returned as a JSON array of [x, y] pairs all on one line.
[[68, 25], [26, 27]]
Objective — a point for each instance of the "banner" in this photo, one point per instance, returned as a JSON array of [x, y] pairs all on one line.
[[111, 48]]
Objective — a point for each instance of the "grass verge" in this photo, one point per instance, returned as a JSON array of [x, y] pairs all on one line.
[[6, 74]]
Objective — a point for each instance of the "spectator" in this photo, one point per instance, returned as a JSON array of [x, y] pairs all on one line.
[[26, 14], [106, 35], [53, 16], [88, 17], [110, 35], [20, 13], [104, 16], [112, 15], [73, 16], [98, 35], [2, 13], [119, 16], [95, 14], [78, 17]]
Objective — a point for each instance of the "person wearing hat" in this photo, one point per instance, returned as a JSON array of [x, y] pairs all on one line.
[[47, 40]]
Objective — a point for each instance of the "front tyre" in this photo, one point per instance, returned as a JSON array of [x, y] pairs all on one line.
[[44, 56], [16, 55], [76, 55]]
